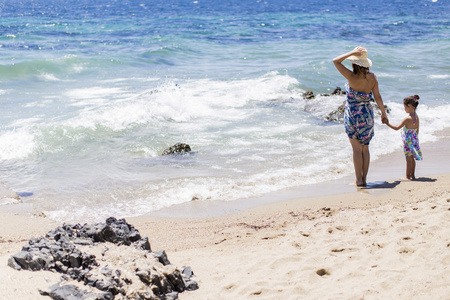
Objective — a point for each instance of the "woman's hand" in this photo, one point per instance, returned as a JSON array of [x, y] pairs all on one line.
[[358, 50], [338, 61], [384, 119]]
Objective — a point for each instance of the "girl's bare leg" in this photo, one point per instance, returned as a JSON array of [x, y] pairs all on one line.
[[410, 167]]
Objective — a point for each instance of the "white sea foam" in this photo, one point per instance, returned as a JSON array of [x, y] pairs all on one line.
[[170, 192], [93, 92], [386, 75], [186, 102], [16, 144], [24, 123], [446, 76], [39, 103], [128, 79], [49, 77]]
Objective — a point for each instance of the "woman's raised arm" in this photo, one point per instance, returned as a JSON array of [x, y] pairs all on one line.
[[339, 59]]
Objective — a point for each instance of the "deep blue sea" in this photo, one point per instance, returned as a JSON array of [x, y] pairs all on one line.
[[93, 91]]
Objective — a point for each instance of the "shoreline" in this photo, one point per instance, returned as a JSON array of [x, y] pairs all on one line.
[[385, 170]]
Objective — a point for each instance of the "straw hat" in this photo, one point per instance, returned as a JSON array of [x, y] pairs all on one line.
[[362, 60]]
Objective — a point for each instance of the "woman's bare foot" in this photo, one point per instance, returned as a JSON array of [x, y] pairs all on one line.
[[359, 183]]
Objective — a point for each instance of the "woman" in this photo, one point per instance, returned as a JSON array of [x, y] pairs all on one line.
[[358, 117]]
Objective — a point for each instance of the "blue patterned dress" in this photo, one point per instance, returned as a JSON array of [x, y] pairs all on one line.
[[411, 143], [358, 116]]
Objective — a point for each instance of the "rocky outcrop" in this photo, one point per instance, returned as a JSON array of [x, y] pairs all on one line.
[[337, 91], [70, 291], [338, 114], [308, 95], [178, 148], [111, 259]]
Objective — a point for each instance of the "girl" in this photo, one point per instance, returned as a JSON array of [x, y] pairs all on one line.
[[410, 135]]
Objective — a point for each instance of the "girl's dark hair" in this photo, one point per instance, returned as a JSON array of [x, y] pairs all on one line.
[[360, 70], [413, 100]]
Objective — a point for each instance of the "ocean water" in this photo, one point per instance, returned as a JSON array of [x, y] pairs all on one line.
[[93, 91]]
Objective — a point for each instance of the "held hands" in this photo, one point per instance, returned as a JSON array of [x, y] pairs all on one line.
[[384, 119]]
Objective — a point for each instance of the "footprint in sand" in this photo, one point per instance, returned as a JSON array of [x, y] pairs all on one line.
[[322, 272], [229, 287], [405, 250], [257, 293]]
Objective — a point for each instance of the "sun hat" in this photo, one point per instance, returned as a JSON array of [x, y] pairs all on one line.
[[362, 60]]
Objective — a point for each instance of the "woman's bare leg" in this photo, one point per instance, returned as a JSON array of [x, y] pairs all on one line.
[[358, 161], [366, 162]]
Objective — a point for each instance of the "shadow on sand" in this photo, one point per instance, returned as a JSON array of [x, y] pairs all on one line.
[[391, 185], [381, 185], [425, 179]]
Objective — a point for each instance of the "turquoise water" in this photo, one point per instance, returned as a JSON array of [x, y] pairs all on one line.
[[92, 92]]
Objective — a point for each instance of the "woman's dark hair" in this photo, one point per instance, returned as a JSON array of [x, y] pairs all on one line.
[[357, 69], [413, 100]]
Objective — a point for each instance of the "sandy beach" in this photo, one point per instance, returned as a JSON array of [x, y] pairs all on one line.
[[395, 245], [388, 241]]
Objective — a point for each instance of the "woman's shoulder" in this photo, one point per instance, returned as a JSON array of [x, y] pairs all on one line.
[[371, 76], [373, 81]]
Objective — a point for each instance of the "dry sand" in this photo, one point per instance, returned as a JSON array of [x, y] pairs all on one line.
[[395, 245]]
